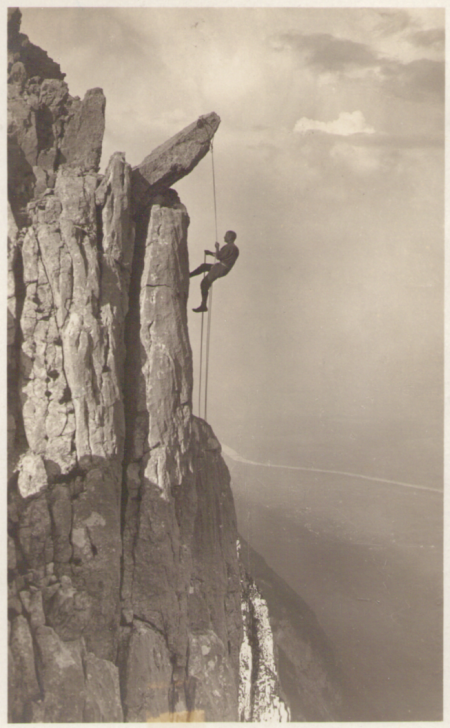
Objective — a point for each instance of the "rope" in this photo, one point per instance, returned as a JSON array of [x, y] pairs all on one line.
[[201, 361], [208, 337], [208, 331], [214, 186]]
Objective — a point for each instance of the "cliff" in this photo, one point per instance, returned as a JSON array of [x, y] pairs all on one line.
[[127, 601]]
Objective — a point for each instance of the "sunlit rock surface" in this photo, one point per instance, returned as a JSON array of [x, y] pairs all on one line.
[[260, 695]]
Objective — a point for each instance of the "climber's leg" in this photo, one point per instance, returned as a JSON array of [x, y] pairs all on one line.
[[217, 271], [205, 285], [203, 268]]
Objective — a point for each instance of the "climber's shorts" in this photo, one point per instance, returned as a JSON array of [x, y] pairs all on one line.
[[218, 270]]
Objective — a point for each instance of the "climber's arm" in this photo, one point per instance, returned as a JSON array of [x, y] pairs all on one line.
[[209, 252]]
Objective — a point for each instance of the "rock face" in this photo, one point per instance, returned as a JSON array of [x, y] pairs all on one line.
[[124, 584], [124, 587]]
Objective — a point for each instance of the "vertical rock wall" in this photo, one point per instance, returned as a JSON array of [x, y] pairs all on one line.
[[124, 591], [180, 575]]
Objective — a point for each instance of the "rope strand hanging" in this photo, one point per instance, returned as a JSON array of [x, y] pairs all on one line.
[[201, 361], [208, 333], [208, 338]]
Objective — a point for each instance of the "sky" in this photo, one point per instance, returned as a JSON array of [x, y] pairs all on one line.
[[327, 336]]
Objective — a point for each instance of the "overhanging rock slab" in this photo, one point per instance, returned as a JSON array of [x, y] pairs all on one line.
[[174, 159]]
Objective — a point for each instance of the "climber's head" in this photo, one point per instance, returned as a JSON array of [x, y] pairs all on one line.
[[230, 236]]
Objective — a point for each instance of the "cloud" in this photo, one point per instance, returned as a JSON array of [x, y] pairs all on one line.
[[402, 59], [345, 125], [361, 160], [404, 141], [434, 37], [392, 22], [421, 80], [328, 53]]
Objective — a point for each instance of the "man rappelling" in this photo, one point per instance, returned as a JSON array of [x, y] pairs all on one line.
[[226, 257]]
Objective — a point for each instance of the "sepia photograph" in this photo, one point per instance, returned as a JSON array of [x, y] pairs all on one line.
[[225, 363]]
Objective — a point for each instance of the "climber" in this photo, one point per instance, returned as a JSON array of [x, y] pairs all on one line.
[[226, 257]]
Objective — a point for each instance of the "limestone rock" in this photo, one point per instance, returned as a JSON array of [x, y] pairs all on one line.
[[102, 691], [61, 511], [68, 611], [32, 601], [32, 475], [35, 533], [15, 294], [214, 538], [13, 234], [61, 675], [267, 705], [82, 142], [75, 253], [212, 684], [147, 675], [73, 325], [179, 565], [158, 406], [35, 59], [46, 126], [166, 369], [174, 159], [23, 684], [47, 410], [96, 519], [12, 554], [113, 198]]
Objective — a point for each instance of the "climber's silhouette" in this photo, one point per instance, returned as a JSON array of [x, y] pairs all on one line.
[[226, 257]]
